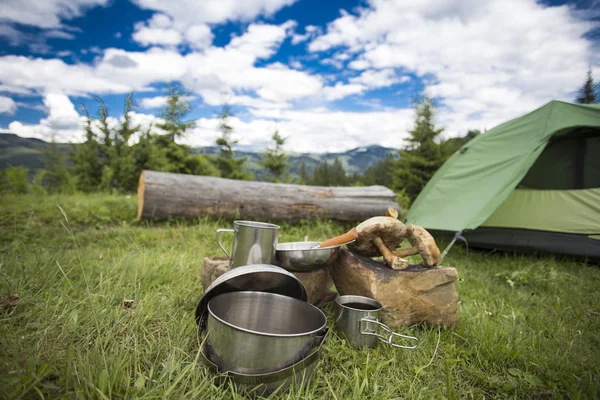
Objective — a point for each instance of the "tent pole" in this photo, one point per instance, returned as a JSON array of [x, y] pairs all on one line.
[[457, 235]]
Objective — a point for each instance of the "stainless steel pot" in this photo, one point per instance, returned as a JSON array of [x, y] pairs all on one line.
[[256, 332], [357, 319], [265, 384]]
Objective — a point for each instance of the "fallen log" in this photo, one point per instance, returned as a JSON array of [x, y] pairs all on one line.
[[162, 195]]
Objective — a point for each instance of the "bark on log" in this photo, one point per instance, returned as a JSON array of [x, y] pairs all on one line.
[[162, 195]]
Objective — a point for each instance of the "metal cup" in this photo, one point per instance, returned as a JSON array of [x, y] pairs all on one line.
[[357, 319], [253, 243]]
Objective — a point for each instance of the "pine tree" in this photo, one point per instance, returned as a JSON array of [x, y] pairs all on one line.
[[125, 175], [321, 174], [588, 93], [226, 163], [304, 177], [275, 161], [338, 174], [381, 173], [422, 156], [176, 109], [86, 159], [57, 177]]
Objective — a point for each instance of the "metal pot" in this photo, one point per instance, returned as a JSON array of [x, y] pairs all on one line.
[[255, 332], [305, 256], [296, 375], [357, 319]]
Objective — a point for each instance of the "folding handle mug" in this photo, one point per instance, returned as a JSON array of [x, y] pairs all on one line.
[[253, 243], [357, 320]]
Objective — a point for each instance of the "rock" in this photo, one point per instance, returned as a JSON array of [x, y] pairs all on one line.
[[212, 268], [317, 283], [416, 295]]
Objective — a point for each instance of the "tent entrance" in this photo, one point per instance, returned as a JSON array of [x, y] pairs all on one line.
[[570, 161]]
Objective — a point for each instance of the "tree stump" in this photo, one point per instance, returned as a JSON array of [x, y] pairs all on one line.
[[317, 282], [416, 295]]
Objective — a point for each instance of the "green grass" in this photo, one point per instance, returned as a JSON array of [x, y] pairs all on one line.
[[529, 326]]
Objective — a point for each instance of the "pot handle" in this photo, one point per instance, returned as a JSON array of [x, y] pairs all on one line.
[[219, 243], [390, 334]]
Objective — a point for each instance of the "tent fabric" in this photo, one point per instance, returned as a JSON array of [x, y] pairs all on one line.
[[478, 178], [565, 211], [525, 240]]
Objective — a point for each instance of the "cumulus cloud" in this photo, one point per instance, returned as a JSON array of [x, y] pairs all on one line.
[[489, 60], [7, 105], [305, 129], [47, 13], [160, 101], [54, 75], [214, 11], [310, 31], [158, 30], [62, 121]]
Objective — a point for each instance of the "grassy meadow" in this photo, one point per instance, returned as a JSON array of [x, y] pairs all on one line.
[[529, 326]]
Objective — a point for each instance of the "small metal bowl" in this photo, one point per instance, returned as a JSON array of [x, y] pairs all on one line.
[[302, 256]]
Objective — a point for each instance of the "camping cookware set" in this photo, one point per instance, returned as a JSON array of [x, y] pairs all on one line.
[[258, 329]]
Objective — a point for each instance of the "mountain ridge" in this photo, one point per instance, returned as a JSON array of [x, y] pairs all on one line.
[[28, 152]]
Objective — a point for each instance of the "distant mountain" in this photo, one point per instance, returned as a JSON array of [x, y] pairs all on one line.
[[28, 152], [354, 161]]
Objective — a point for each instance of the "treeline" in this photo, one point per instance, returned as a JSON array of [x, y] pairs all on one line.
[[112, 156]]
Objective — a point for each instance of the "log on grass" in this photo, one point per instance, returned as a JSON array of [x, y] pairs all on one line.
[[162, 195]]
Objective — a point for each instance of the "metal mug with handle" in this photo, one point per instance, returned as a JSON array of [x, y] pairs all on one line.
[[253, 243], [357, 319]]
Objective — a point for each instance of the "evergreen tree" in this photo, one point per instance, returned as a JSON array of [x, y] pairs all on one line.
[[57, 177], [338, 176], [588, 93], [381, 173], [304, 177], [226, 163], [178, 155], [147, 154], [321, 174], [86, 159], [14, 180], [275, 161], [174, 112], [122, 167], [422, 156]]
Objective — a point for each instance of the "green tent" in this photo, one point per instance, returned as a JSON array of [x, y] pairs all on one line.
[[532, 183]]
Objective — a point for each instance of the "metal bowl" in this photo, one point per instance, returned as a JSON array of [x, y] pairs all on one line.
[[302, 256]]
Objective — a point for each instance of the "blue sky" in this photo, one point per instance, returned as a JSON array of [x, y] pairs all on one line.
[[329, 75]]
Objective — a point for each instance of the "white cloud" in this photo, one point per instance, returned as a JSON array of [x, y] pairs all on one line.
[[199, 36], [313, 130], [160, 101], [341, 90], [158, 30], [376, 79], [162, 30], [54, 75], [310, 31], [15, 90], [490, 61], [46, 13], [192, 12], [63, 122], [7, 105]]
